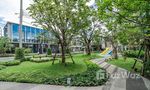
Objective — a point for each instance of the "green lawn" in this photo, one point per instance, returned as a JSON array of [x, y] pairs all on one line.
[[83, 72], [125, 64], [56, 70]]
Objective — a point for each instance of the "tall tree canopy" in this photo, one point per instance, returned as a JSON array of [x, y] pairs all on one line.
[[61, 17], [133, 16]]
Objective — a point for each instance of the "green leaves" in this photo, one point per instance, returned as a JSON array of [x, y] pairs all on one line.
[[10, 63], [4, 44], [19, 54]]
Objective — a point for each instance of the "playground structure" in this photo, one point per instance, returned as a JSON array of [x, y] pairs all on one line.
[[107, 51]]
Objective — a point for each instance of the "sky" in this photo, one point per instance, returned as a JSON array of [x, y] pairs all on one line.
[[10, 8]]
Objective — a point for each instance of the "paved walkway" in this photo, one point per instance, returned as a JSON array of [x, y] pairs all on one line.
[[119, 80], [113, 84], [25, 86]]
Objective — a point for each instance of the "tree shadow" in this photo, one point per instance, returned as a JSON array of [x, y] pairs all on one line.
[[135, 84]]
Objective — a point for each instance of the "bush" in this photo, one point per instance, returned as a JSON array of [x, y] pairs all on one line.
[[27, 59], [10, 63], [87, 78], [133, 53], [27, 51], [40, 56], [19, 54], [49, 52], [39, 60], [2, 67], [6, 55]]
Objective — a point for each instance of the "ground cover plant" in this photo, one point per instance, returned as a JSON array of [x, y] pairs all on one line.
[[10, 63], [82, 73], [126, 64]]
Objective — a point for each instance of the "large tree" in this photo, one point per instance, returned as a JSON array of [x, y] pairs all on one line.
[[90, 30], [135, 12], [61, 17]]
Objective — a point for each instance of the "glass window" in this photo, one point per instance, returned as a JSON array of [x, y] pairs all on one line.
[[23, 33], [28, 34], [32, 34], [15, 32]]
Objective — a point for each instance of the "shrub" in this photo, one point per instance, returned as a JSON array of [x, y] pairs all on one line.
[[49, 52], [87, 78], [40, 56], [10, 63], [39, 60], [2, 67], [27, 59], [6, 55], [133, 53], [27, 51], [19, 54]]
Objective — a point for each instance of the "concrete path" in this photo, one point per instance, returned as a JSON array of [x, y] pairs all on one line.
[[25, 86], [119, 79]]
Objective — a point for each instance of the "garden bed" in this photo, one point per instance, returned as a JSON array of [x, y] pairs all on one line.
[[83, 73]]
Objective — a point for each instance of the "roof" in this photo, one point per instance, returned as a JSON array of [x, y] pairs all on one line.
[[30, 25]]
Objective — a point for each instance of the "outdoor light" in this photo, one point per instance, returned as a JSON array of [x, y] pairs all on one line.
[[69, 81]]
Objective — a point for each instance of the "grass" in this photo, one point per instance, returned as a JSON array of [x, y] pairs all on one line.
[[82, 73], [126, 64], [53, 71]]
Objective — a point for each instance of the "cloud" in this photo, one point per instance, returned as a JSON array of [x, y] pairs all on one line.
[[8, 8]]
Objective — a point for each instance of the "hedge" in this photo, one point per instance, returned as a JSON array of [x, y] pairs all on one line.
[[19, 53], [133, 53], [10, 63]]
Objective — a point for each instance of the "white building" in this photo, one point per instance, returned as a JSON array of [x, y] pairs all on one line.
[[1, 32]]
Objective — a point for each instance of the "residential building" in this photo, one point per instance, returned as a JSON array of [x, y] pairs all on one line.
[[76, 45]]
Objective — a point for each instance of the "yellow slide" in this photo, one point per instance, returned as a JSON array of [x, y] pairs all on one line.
[[105, 51]]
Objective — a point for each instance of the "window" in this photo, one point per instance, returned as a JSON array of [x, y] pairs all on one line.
[[15, 32]]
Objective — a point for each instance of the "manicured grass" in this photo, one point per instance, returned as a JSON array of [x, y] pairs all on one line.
[[126, 64], [56, 70], [82, 73]]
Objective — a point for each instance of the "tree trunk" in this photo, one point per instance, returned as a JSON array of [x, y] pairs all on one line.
[[54, 57], [63, 51], [88, 51], [115, 53]]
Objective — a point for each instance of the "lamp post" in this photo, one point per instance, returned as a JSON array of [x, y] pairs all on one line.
[[20, 23]]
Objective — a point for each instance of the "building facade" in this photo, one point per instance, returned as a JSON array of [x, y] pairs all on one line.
[[1, 32], [30, 36], [76, 45]]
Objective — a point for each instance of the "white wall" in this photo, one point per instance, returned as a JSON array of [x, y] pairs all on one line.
[[1, 32]]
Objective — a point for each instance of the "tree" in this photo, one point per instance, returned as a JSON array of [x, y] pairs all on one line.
[[60, 17], [97, 39], [134, 12], [90, 29], [4, 44], [112, 24]]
